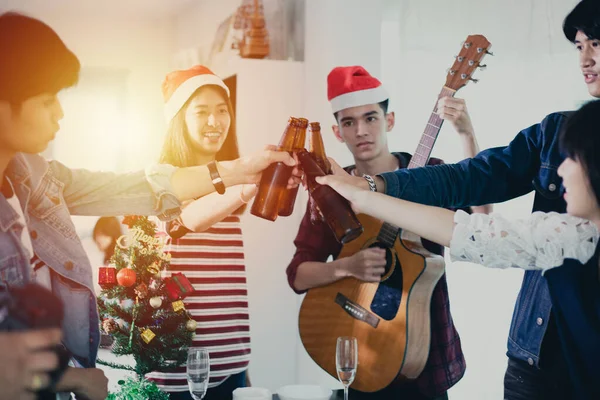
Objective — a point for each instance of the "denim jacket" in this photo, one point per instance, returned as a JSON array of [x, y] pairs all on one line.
[[49, 194], [529, 162]]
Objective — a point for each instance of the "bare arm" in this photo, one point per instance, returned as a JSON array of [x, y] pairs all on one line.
[[312, 274], [455, 110], [433, 223], [157, 191], [201, 214]]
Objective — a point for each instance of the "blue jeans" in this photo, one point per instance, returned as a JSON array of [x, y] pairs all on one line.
[[222, 392]]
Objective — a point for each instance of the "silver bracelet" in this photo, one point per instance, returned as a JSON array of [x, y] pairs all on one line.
[[371, 181]]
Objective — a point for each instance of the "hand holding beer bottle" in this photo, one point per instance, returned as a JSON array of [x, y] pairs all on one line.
[[288, 196], [316, 148], [274, 180], [335, 209]]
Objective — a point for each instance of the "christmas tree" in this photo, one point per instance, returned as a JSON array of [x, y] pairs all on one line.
[[143, 312]]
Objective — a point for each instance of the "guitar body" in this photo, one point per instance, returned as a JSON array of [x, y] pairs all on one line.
[[390, 319]]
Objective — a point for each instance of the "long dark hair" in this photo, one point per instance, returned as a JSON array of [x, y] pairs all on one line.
[[580, 140], [178, 149]]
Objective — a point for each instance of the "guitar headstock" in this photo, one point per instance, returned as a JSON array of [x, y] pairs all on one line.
[[474, 48]]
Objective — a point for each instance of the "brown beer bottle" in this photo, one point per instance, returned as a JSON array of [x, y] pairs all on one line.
[[317, 148], [288, 197], [336, 210], [275, 178]]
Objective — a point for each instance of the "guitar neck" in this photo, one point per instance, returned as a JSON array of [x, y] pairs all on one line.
[[432, 130], [388, 232]]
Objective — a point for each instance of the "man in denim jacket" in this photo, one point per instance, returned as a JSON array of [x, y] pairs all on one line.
[[536, 368], [38, 241]]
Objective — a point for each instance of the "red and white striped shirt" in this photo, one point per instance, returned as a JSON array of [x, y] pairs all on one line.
[[213, 261]]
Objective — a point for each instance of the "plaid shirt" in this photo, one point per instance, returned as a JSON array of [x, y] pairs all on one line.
[[446, 364]]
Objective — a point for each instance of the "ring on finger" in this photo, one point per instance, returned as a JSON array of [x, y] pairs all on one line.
[[36, 382]]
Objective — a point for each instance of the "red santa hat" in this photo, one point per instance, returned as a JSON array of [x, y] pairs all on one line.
[[352, 87], [180, 85]]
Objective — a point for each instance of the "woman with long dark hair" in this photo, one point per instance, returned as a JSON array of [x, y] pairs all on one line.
[[205, 242]]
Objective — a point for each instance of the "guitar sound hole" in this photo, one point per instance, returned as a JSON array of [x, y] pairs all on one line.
[[389, 256], [387, 299]]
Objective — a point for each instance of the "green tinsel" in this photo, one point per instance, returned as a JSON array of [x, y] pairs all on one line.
[[132, 389]]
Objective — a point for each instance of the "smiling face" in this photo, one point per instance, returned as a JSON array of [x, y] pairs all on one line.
[[589, 61], [30, 128], [207, 119]]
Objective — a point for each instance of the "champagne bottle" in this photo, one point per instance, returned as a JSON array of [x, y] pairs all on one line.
[[336, 210], [288, 197]]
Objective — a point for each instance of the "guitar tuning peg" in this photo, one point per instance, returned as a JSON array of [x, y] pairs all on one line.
[[482, 66], [459, 58], [450, 71], [474, 80], [489, 52]]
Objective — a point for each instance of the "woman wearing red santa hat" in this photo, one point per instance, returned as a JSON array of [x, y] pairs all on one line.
[[205, 242]]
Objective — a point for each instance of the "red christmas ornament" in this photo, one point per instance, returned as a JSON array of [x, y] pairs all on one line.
[[107, 277], [126, 277]]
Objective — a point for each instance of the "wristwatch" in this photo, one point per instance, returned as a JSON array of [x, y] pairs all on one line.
[[216, 178], [371, 181]]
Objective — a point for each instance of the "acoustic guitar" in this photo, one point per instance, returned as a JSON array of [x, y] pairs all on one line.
[[390, 318]]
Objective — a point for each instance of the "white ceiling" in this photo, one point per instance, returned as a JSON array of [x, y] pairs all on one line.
[[142, 9]]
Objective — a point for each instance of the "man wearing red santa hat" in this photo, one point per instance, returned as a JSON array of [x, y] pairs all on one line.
[[360, 106]]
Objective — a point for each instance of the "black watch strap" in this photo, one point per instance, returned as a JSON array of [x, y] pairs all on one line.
[[216, 178]]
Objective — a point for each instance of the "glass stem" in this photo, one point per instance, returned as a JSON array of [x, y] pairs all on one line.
[[345, 392]]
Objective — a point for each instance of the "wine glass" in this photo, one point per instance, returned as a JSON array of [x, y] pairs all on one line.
[[198, 371], [346, 360]]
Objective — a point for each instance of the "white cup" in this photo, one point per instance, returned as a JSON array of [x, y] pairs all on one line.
[[252, 393]]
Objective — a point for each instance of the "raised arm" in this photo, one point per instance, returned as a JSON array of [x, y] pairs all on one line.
[[455, 111], [494, 175], [159, 190]]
